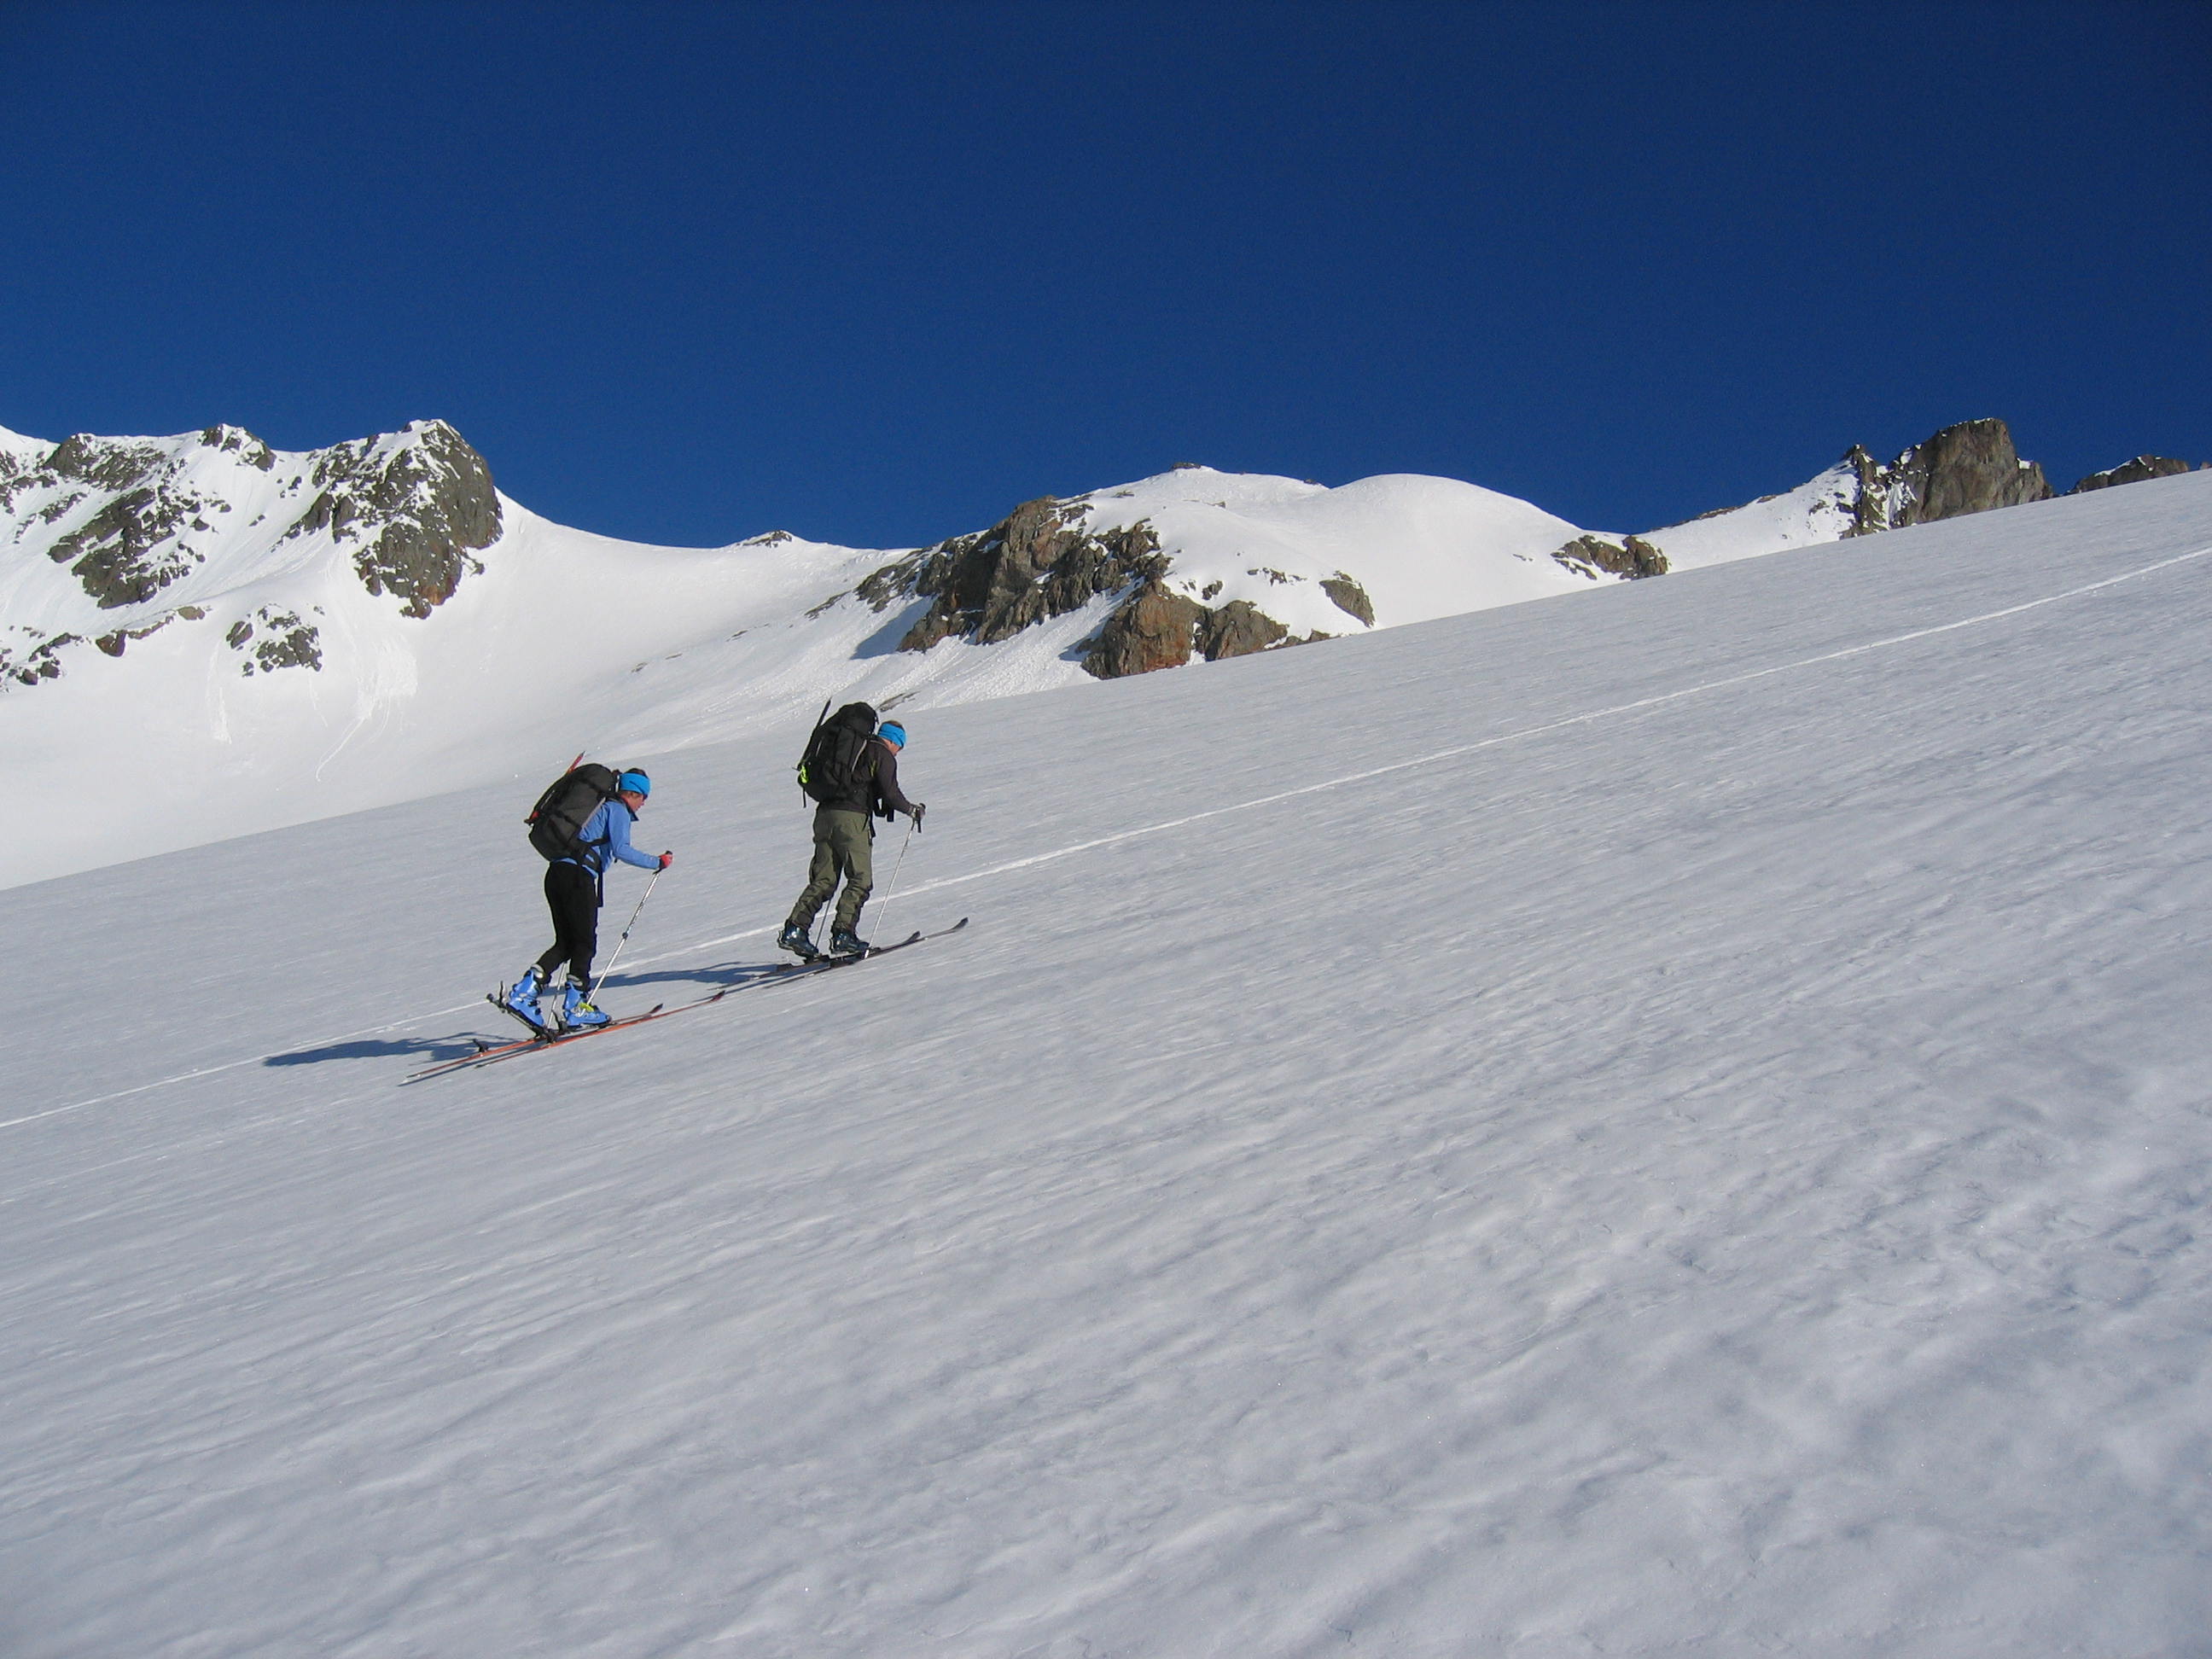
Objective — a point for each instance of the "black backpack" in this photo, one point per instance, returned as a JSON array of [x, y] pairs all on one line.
[[558, 819], [829, 770]]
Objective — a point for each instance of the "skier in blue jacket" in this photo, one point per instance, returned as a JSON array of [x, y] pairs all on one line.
[[575, 886]]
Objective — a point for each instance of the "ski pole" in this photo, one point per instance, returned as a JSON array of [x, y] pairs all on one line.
[[891, 892], [625, 939]]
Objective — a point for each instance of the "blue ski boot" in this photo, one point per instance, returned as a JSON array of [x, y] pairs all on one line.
[[521, 999], [576, 1014], [797, 940], [844, 942]]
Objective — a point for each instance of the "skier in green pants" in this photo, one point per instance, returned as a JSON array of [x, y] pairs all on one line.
[[861, 787]]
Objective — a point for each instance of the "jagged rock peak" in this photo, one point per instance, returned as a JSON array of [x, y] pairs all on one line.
[[1969, 467], [418, 501]]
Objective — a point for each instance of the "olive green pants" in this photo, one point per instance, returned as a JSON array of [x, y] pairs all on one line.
[[843, 847]]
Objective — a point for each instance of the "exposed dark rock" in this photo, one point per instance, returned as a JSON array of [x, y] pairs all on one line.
[[1154, 627], [109, 463], [1039, 563], [42, 663], [128, 550], [1349, 597], [414, 506], [240, 442], [419, 509], [1157, 627], [286, 642], [2138, 471], [132, 545], [1237, 630], [1971, 467], [1967, 468], [1593, 556], [888, 586]]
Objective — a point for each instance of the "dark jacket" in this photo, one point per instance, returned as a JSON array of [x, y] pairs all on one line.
[[875, 786]]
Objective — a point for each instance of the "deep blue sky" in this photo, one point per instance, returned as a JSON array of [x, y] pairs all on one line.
[[875, 273]]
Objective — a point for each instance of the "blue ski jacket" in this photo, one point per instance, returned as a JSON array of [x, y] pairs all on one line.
[[605, 837]]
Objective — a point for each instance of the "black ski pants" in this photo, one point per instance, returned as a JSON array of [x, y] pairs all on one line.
[[572, 893]]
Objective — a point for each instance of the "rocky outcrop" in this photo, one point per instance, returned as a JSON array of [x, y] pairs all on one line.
[[1237, 630], [279, 639], [418, 507], [153, 528], [1594, 556], [106, 462], [1041, 561], [2138, 471], [42, 661], [1157, 627], [1154, 627], [135, 546], [1971, 467], [1349, 597], [1038, 562]]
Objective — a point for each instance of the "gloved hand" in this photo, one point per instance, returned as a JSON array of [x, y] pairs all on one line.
[[920, 807], [667, 859]]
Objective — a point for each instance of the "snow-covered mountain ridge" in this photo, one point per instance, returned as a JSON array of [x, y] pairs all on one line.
[[161, 530], [200, 636], [205, 637]]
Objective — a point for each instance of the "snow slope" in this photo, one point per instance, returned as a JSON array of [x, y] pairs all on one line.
[[1678, 1122], [1818, 510]]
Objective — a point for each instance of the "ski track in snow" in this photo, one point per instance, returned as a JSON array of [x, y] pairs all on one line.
[[1617, 711]]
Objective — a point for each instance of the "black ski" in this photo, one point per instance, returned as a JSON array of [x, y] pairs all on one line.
[[789, 970]]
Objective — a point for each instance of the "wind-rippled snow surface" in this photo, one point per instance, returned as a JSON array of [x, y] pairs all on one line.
[[1674, 1122]]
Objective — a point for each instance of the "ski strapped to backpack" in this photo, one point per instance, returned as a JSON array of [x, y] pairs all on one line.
[[829, 770], [559, 817]]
